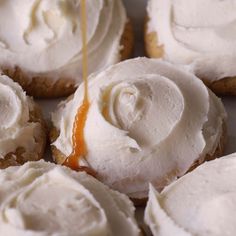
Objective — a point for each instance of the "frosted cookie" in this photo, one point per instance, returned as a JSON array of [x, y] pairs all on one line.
[[198, 33], [41, 45], [22, 129], [148, 121], [44, 199], [200, 203]]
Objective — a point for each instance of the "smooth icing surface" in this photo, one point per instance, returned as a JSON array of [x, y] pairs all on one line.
[[43, 37], [201, 33], [148, 121], [16, 130], [201, 203], [44, 199]]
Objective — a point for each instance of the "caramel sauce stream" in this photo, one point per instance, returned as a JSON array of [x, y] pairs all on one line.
[[78, 141]]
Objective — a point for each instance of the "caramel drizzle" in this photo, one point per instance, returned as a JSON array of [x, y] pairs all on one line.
[[78, 141]]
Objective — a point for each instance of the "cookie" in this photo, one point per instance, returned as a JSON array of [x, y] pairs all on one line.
[[149, 121], [22, 127], [47, 61], [186, 34]]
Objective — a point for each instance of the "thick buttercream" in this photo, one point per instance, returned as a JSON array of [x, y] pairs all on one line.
[[16, 129], [148, 121], [44, 199], [200, 33], [202, 203], [43, 37]]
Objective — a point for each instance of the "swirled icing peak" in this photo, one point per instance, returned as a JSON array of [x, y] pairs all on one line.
[[149, 121], [44, 36], [42, 199], [16, 129], [202, 202], [197, 32]]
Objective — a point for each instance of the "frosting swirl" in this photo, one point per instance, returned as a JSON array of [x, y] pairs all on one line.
[[16, 129], [182, 25], [45, 36], [200, 203], [42, 199], [143, 124]]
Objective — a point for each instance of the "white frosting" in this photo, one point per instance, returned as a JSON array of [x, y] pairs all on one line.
[[197, 32], [201, 203], [44, 36], [15, 129], [44, 199], [160, 120]]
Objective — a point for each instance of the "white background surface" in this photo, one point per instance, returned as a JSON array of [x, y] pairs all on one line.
[[136, 11]]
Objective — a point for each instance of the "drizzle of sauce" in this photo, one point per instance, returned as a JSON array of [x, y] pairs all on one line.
[[78, 141]]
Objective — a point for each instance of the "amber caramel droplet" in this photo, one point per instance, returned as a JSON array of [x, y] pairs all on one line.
[[78, 140]]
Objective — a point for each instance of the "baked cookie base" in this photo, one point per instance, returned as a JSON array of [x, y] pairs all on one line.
[[20, 156], [225, 86], [45, 87]]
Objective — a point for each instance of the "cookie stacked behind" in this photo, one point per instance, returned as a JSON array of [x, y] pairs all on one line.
[[43, 48], [196, 33]]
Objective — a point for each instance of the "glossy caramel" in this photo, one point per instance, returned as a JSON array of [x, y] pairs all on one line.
[[78, 140]]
